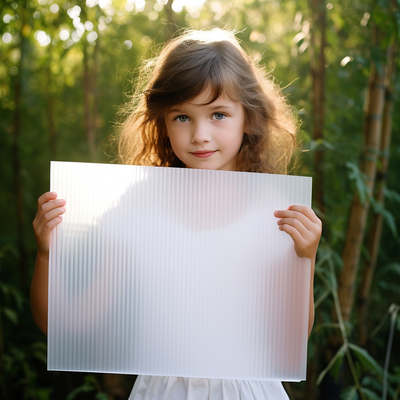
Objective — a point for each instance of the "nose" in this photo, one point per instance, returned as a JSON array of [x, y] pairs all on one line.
[[200, 133]]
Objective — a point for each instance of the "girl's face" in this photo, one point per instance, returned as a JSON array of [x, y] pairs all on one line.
[[206, 136]]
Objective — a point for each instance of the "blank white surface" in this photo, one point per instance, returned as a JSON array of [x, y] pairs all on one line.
[[179, 272]]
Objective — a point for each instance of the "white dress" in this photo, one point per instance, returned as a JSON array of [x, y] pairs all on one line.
[[174, 388]]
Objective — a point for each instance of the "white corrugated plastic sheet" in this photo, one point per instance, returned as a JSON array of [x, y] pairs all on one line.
[[177, 272]]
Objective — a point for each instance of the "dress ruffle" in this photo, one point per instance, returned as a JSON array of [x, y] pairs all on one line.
[[174, 388]]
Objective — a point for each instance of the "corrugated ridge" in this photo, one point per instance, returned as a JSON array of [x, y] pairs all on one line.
[[177, 272]]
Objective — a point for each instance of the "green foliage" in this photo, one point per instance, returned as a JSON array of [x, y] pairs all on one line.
[[387, 216], [334, 365], [90, 385], [367, 362], [370, 395], [360, 180], [350, 394]]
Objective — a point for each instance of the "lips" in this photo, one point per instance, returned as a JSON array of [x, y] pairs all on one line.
[[203, 153]]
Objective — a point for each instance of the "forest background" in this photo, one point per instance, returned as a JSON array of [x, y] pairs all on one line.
[[67, 66]]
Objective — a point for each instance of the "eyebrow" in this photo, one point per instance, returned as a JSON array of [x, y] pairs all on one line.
[[212, 108], [172, 110]]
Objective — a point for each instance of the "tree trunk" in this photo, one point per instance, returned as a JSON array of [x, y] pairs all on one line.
[[50, 113], [377, 219], [359, 210], [318, 44], [317, 68], [94, 95], [17, 169], [87, 103]]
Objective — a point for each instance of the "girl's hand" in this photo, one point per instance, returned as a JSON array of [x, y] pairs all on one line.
[[48, 216], [304, 227]]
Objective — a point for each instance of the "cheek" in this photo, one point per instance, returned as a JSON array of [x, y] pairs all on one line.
[[177, 144]]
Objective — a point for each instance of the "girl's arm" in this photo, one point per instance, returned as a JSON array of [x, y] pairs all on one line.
[[48, 216], [304, 227]]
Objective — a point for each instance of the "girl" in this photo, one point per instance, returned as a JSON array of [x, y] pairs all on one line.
[[205, 104]]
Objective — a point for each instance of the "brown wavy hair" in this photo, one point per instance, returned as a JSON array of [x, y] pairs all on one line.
[[185, 67]]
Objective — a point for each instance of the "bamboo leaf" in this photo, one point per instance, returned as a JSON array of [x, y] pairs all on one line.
[[338, 357], [372, 383], [388, 217], [386, 286], [350, 394], [360, 180], [379, 208], [365, 359], [4, 288], [320, 144], [39, 351], [85, 388], [393, 267], [101, 396], [370, 395], [392, 195], [321, 298], [43, 394], [11, 315]]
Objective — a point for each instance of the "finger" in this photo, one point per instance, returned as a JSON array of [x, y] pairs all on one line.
[[298, 239], [296, 224], [302, 246], [43, 239], [304, 210], [46, 218], [308, 235], [50, 205], [306, 216], [50, 225], [46, 197], [307, 211], [296, 219]]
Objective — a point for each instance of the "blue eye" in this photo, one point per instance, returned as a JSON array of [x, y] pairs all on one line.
[[219, 116], [182, 118]]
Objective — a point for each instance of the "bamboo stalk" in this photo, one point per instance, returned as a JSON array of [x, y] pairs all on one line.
[[50, 112], [317, 69], [377, 219], [87, 104], [16, 157], [359, 210], [318, 35], [94, 94]]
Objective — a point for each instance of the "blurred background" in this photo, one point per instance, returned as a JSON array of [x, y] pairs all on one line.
[[67, 66]]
